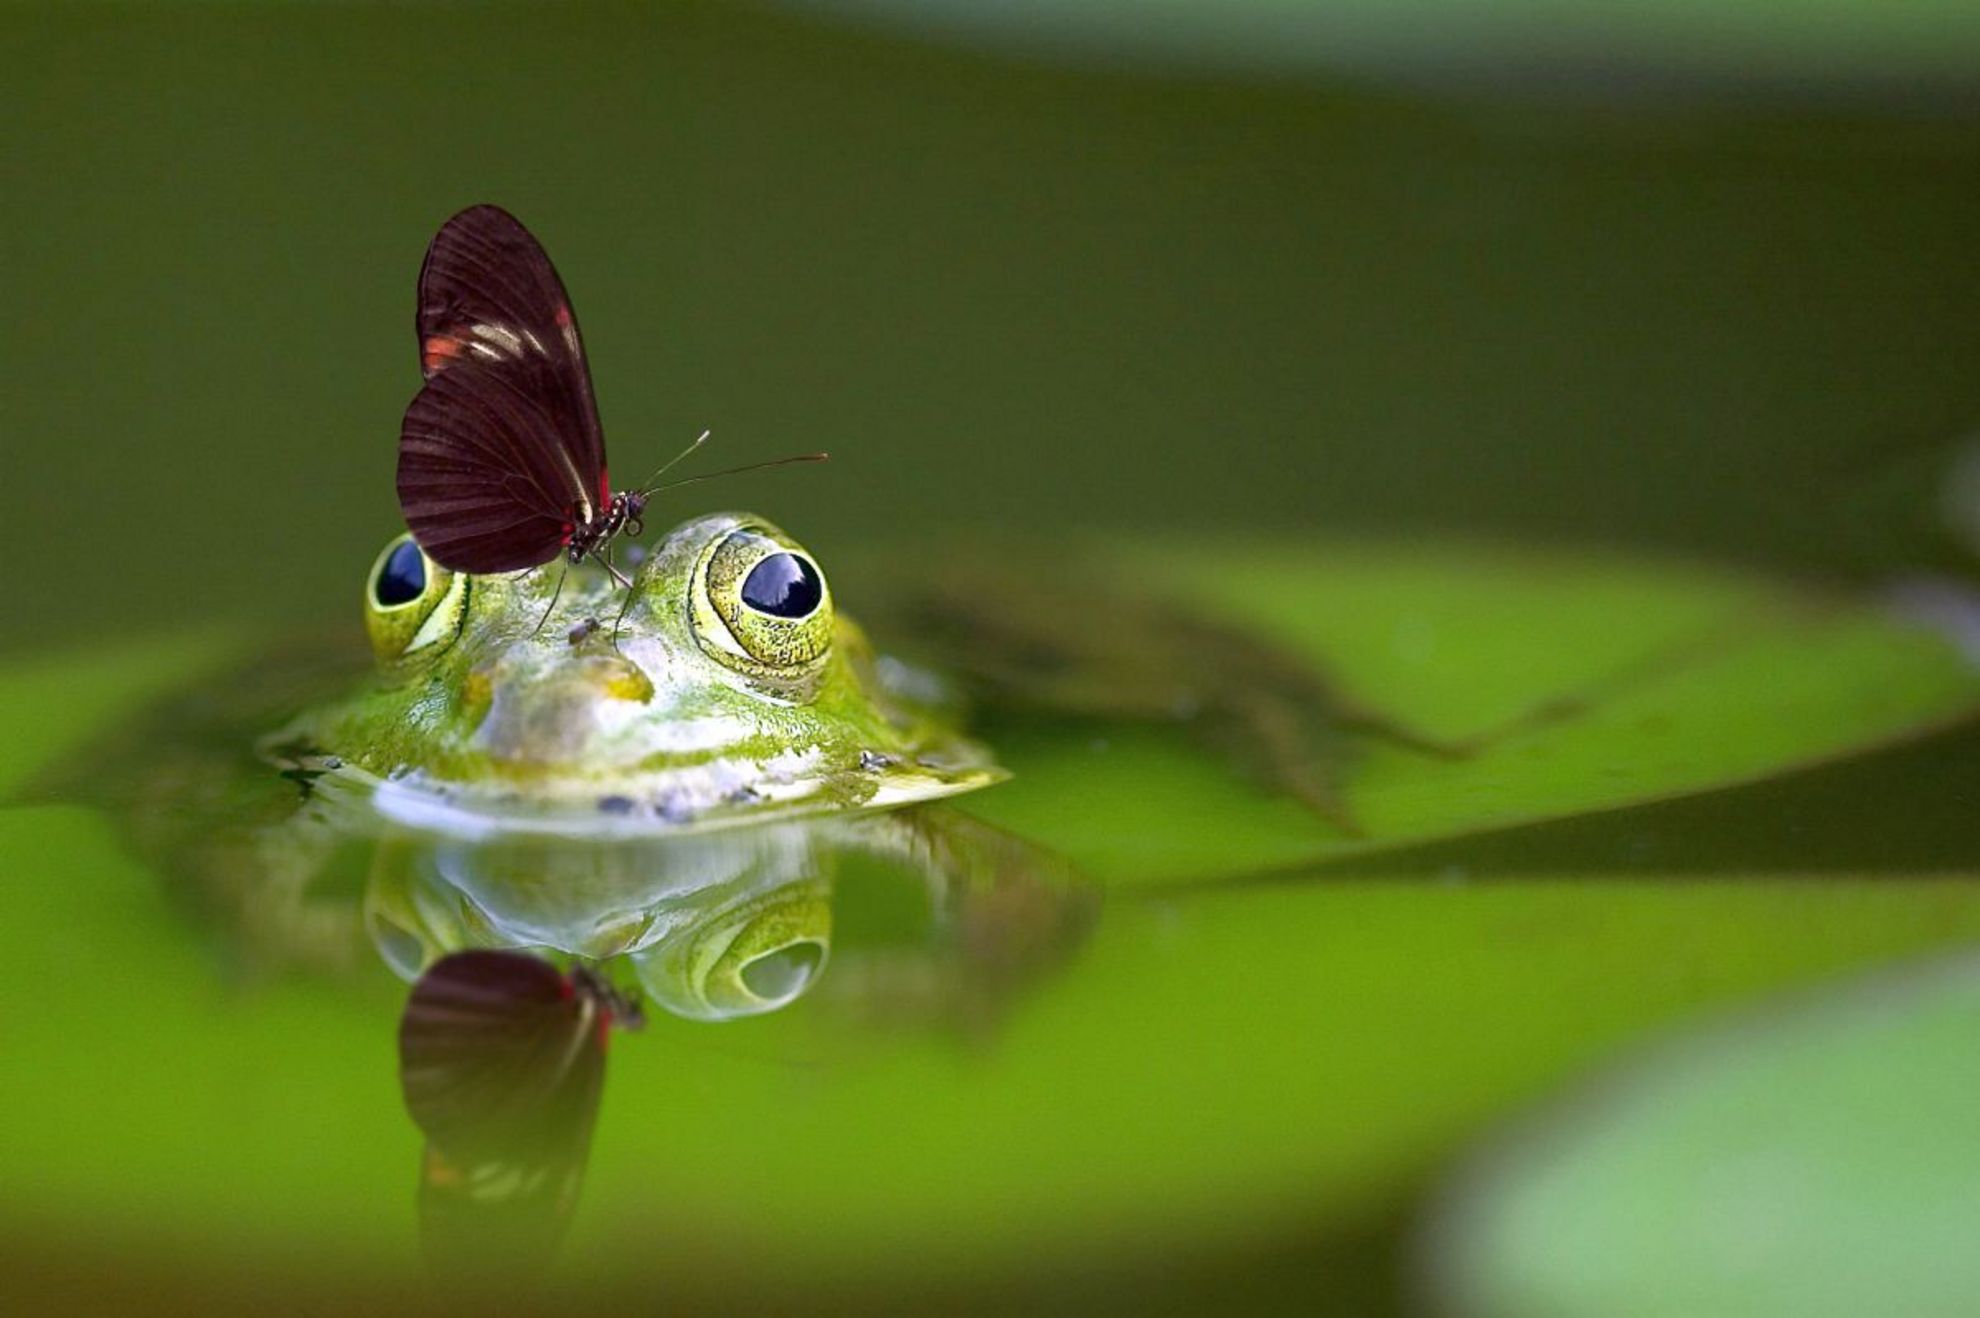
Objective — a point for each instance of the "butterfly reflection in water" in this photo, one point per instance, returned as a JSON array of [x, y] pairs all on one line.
[[502, 1063], [501, 455]]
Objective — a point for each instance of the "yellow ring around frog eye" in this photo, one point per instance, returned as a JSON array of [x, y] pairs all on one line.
[[412, 605], [771, 605]]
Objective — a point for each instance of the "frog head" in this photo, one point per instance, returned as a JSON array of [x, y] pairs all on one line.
[[718, 684]]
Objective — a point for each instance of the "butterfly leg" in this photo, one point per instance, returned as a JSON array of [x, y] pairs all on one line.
[[550, 608], [625, 603]]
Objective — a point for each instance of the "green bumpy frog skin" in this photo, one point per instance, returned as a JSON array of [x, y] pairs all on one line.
[[729, 690]]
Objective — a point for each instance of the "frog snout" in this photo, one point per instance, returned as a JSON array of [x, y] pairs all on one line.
[[552, 717], [616, 677]]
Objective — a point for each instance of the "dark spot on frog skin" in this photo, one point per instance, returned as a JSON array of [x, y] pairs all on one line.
[[582, 631], [744, 795], [616, 805], [674, 807], [304, 779], [875, 761]]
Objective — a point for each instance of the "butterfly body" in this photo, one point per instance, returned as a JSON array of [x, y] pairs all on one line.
[[625, 514]]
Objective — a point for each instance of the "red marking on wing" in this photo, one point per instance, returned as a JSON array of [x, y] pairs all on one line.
[[439, 350], [604, 489], [562, 315]]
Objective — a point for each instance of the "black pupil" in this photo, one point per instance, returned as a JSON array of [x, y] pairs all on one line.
[[783, 586], [403, 578]]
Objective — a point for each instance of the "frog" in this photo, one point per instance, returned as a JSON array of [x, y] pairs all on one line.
[[720, 687]]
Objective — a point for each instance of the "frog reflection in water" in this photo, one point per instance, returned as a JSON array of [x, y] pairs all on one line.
[[710, 925]]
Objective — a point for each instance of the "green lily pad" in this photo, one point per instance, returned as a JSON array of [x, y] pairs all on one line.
[[1215, 1069], [1818, 1159], [1621, 682]]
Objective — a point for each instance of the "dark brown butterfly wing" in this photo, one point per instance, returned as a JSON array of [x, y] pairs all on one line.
[[480, 486], [501, 453], [502, 1064]]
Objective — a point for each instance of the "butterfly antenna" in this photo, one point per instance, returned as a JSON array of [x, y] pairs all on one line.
[[647, 486], [733, 471]]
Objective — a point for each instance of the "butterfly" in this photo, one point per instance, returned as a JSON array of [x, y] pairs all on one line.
[[502, 1064], [501, 456]]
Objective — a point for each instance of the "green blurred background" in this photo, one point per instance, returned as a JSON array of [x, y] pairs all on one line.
[[1682, 280], [1699, 278]]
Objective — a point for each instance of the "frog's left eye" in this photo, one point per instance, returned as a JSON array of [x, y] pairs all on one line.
[[401, 576], [771, 610], [412, 605]]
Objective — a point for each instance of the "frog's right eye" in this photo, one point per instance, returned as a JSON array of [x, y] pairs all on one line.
[[412, 605]]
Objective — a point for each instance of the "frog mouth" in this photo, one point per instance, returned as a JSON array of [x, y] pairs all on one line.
[[711, 794]]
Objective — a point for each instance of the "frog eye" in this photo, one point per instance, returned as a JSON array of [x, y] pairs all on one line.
[[411, 603], [401, 576], [771, 610], [783, 586]]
